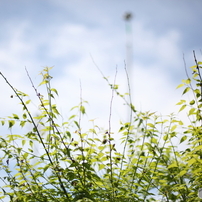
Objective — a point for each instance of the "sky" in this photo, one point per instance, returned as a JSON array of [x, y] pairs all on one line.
[[73, 36]]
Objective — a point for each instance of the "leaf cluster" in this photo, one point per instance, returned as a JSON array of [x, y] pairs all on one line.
[[70, 164]]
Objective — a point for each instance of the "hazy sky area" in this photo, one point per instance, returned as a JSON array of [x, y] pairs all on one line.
[[68, 34], [64, 34]]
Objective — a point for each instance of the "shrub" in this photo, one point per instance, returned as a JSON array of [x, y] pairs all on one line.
[[73, 165]]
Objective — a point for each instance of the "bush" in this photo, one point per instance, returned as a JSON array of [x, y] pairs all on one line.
[[73, 165]]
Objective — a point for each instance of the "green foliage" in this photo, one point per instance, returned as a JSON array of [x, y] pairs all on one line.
[[73, 165]]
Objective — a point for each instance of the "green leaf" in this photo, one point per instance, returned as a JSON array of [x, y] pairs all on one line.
[[24, 116], [77, 124], [101, 166], [23, 142], [191, 161], [183, 138], [193, 67], [165, 137], [191, 111], [154, 140], [181, 102], [180, 85], [173, 165], [187, 81], [173, 128], [27, 102], [183, 106], [151, 125], [43, 82], [198, 148], [22, 123], [71, 117], [183, 172], [186, 90], [82, 109], [15, 116], [11, 123], [192, 102], [54, 90]]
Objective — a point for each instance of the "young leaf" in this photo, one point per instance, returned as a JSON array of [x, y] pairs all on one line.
[[183, 138], [82, 109], [191, 111], [54, 90], [183, 106], [186, 90], [173, 128], [192, 102], [15, 116], [11, 123], [180, 85]]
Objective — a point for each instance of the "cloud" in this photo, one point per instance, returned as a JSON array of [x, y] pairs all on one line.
[[67, 45]]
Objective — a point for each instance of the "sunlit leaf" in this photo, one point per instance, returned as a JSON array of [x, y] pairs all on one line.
[[183, 106], [179, 86], [186, 90], [183, 138], [11, 123], [192, 102], [15, 116], [54, 90], [82, 109], [191, 111], [173, 128], [151, 125]]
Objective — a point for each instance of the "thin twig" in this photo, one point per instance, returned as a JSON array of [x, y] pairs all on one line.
[[111, 147], [38, 134]]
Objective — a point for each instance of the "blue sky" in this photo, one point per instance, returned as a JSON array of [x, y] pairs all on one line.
[[64, 34]]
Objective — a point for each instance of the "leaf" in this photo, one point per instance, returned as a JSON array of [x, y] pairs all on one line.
[[173, 165], [192, 102], [54, 90], [187, 81], [198, 148], [183, 172], [101, 166], [82, 109], [22, 123], [27, 102], [154, 140], [77, 124], [191, 111], [71, 117], [183, 106], [24, 116], [180, 85], [193, 67], [191, 161], [181, 102], [186, 90], [23, 142], [151, 125], [11, 123], [15, 116], [173, 128], [183, 138], [43, 82], [165, 137], [180, 123]]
